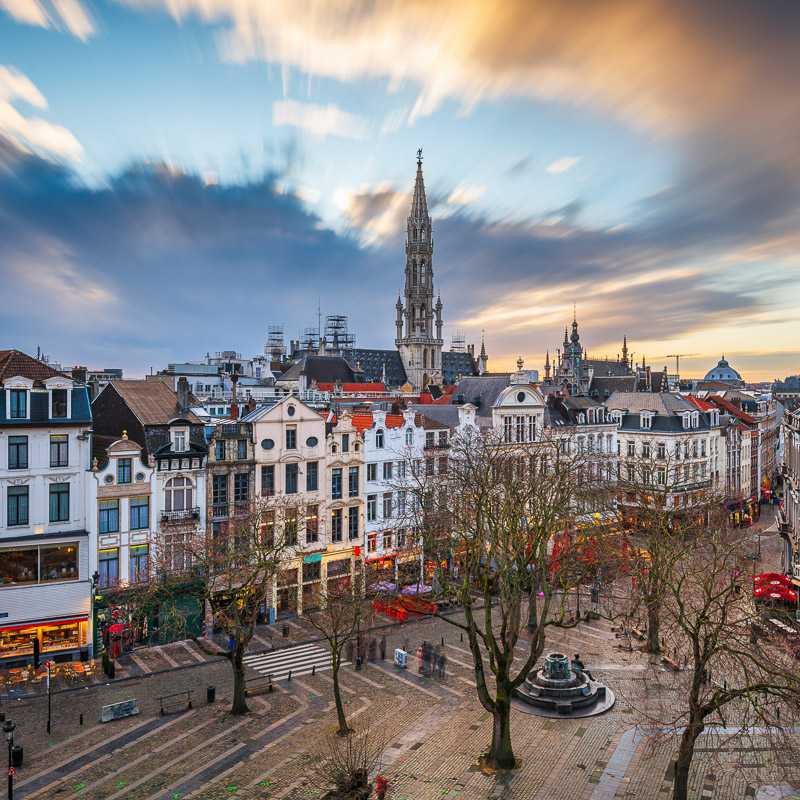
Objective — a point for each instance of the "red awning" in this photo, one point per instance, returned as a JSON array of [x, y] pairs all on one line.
[[42, 624]]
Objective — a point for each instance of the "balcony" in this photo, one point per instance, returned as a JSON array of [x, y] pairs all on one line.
[[181, 516], [219, 510]]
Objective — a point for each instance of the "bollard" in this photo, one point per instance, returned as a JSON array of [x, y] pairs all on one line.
[[80, 719], [462, 636], [313, 669], [290, 675]]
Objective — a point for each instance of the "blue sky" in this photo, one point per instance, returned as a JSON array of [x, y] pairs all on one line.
[[159, 161]]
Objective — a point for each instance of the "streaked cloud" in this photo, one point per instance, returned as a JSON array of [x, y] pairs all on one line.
[[66, 14], [562, 165], [319, 120], [31, 132], [465, 195]]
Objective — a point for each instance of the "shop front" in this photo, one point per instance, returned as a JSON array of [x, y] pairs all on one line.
[[380, 573], [59, 640], [338, 574], [287, 592], [312, 582]]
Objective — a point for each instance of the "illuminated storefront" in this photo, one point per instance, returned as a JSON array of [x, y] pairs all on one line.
[[55, 638]]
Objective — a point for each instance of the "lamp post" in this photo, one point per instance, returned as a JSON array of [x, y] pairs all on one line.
[[94, 581], [8, 729]]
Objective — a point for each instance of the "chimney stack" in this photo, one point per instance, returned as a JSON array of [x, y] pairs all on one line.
[[183, 395], [234, 403], [79, 375]]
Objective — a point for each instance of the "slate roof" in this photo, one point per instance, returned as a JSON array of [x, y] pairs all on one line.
[[603, 387], [152, 402], [322, 369], [15, 362], [603, 367], [437, 417], [371, 362], [457, 365], [40, 409], [660, 402], [482, 391]]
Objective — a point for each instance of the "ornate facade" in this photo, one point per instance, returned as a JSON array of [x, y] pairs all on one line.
[[419, 320]]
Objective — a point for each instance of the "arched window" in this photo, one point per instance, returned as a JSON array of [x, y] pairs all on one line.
[[178, 494], [409, 437], [379, 438], [425, 357]]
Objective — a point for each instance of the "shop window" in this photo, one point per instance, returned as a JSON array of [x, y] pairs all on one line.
[[59, 502], [17, 452], [139, 513], [339, 567], [108, 567], [108, 516], [59, 450], [352, 522], [58, 562], [17, 505], [312, 571], [123, 470], [19, 566]]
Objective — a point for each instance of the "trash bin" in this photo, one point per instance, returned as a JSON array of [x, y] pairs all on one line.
[[16, 755], [285, 631], [211, 694]]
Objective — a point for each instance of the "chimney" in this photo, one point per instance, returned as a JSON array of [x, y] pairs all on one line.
[[79, 375], [234, 402], [251, 404], [183, 395]]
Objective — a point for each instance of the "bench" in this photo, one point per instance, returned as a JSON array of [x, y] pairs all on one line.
[[125, 708], [258, 686], [177, 701]]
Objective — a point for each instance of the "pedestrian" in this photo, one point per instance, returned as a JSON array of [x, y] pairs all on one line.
[[381, 787], [442, 665], [420, 663]]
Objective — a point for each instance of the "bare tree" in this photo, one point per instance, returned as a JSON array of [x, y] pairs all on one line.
[[488, 525], [344, 610], [349, 762], [660, 512], [731, 679], [238, 565]]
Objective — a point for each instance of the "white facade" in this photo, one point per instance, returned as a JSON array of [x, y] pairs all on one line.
[[45, 544]]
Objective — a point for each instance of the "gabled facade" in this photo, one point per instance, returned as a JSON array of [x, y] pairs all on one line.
[[45, 546], [231, 475]]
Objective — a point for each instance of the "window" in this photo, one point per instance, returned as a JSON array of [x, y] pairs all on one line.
[[291, 438], [645, 449], [507, 422], [138, 562], [631, 448], [312, 476], [703, 448], [290, 526], [372, 472], [336, 484], [176, 557], [372, 507], [401, 538], [531, 429], [379, 438], [108, 516], [139, 513], [291, 479], [442, 438], [694, 448], [662, 450], [387, 470], [268, 531], [630, 473], [312, 524], [401, 469], [17, 452], [430, 439], [429, 466], [519, 428], [241, 449], [645, 419], [352, 482], [268, 480], [387, 541], [219, 495], [17, 505], [409, 437], [123, 470], [345, 442], [352, 522], [372, 542], [59, 450], [108, 567], [387, 505], [336, 525], [59, 403], [178, 494], [59, 502], [19, 404], [241, 487], [401, 503], [179, 441], [661, 476]]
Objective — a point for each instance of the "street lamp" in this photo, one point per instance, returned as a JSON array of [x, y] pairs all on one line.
[[8, 729]]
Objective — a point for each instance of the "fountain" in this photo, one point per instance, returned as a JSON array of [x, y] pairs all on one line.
[[560, 689]]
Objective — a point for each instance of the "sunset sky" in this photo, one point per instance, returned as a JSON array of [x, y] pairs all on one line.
[[175, 175]]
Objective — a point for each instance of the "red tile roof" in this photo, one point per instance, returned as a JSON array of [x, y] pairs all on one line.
[[703, 405], [735, 411], [353, 388], [15, 362]]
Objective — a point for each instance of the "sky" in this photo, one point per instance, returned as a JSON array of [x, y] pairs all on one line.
[[177, 175]]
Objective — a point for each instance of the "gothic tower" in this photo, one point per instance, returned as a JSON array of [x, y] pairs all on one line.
[[419, 345]]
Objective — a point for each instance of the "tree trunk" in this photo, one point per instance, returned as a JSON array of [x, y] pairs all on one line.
[[239, 684], [683, 764], [500, 755], [653, 629], [344, 729], [533, 612]]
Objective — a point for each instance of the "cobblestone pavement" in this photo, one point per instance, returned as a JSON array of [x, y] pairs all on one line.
[[433, 730]]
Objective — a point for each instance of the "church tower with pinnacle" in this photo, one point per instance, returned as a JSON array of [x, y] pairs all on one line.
[[419, 319]]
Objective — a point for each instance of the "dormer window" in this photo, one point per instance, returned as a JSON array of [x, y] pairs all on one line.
[[379, 439], [18, 408], [686, 420], [695, 419], [581, 419], [179, 441], [58, 401], [646, 420]]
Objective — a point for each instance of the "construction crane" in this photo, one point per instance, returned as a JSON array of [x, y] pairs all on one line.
[[678, 357]]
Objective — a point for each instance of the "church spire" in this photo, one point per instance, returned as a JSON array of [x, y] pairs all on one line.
[[419, 204], [547, 366], [625, 350]]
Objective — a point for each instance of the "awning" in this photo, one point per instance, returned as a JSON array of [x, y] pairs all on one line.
[[313, 558], [41, 623]]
